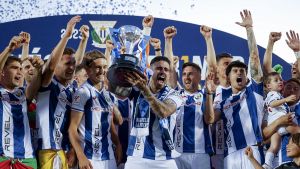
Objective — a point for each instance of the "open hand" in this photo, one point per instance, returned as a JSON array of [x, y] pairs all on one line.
[[137, 80], [246, 19], [293, 41], [71, 24]]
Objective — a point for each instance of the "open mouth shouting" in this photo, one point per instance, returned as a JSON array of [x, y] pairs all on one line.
[[161, 78], [18, 79], [239, 80]]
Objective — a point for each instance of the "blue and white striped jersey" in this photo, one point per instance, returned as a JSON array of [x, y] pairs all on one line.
[[192, 133], [125, 107], [283, 158], [242, 117], [222, 93], [94, 127], [154, 146], [53, 115], [15, 141]]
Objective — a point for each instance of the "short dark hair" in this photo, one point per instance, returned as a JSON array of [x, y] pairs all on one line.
[[90, 56], [12, 58], [79, 68], [296, 139], [269, 76], [236, 63], [194, 65], [68, 51], [293, 80], [223, 55], [159, 58]]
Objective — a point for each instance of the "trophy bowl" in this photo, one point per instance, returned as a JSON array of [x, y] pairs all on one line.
[[128, 36]]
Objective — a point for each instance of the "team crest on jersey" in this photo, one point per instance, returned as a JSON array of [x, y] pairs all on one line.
[[77, 99], [100, 33], [198, 97], [18, 93]]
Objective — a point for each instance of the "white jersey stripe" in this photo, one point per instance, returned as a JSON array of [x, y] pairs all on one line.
[[241, 114], [95, 124], [15, 133]]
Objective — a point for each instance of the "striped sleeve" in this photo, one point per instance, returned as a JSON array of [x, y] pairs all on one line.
[[256, 87], [79, 99], [176, 98]]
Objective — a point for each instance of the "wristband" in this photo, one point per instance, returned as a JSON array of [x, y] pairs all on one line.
[[297, 54], [158, 49], [210, 93]]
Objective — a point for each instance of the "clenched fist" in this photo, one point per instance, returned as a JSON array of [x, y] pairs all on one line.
[[170, 32]]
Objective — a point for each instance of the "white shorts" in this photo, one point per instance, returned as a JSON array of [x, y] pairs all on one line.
[[137, 163], [105, 164], [217, 161], [274, 116], [239, 160], [193, 161]]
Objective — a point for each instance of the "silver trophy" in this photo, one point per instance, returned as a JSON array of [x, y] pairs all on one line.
[[128, 36]]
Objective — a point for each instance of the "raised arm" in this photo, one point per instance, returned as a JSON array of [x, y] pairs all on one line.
[[147, 23], [108, 49], [211, 55], [267, 65], [25, 48], [155, 43], [14, 43], [169, 33], [57, 53], [255, 67], [33, 87], [211, 115], [84, 29], [294, 43]]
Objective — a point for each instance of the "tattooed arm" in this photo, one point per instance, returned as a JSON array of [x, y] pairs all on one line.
[[255, 67], [161, 108]]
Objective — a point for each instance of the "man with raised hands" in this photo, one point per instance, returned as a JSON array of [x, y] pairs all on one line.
[[15, 145], [242, 111], [54, 100]]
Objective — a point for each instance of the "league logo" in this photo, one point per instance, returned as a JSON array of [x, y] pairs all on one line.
[[100, 32]]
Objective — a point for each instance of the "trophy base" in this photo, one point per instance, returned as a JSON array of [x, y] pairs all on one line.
[[117, 71]]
